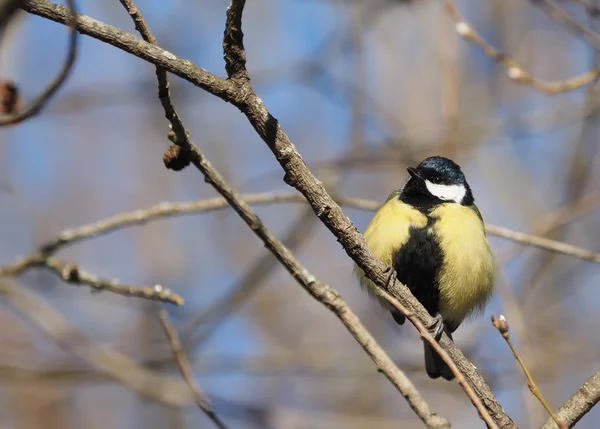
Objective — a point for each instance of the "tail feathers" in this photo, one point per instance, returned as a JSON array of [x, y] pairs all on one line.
[[435, 365]]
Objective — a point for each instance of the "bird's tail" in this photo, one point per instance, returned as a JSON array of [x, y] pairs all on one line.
[[434, 364]]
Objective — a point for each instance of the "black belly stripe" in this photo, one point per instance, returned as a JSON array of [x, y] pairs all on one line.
[[418, 263]]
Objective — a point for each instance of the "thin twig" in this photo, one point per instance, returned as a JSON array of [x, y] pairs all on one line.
[[543, 243], [513, 69], [502, 326], [180, 135], [38, 104], [71, 273], [186, 370], [166, 209]]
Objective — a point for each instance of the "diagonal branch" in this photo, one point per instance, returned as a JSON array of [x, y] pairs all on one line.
[[579, 404], [186, 370], [550, 8]]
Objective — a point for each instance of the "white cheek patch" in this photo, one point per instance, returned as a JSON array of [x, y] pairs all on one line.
[[446, 192]]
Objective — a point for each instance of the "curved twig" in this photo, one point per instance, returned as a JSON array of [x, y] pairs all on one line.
[[38, 104]]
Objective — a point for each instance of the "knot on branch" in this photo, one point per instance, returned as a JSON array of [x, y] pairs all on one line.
[[70, 273], [176, 158], [9, 98]]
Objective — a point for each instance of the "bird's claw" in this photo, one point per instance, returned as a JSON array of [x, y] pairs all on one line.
[[391, 276], [437, 327]]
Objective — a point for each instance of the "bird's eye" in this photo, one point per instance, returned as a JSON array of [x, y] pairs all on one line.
[[437, 180]]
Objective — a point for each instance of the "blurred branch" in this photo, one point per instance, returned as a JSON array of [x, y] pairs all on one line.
[[166, 209], [579, 404], [592, 10], [7, 8], [556, 13], [118, 366], [502, 326], [513, 69], [550, 222], [297, 232], [543, 243], [186, 371], [38, 104], [71, 273]]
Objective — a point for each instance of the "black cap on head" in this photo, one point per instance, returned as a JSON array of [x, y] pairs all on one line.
[[434, 181], [441, 170]]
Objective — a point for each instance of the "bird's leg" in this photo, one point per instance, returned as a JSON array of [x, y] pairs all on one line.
[[391, 275], [437, 327]]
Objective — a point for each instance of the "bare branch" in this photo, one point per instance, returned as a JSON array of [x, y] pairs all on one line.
[[233, 42], [7, 8], [135, 46], [167, 209], [186, 370], [71, 273], [180, 135], [38, 104], [579, 404], [554, 11], [513, 69]]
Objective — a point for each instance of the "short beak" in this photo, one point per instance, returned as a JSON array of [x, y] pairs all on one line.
[[414, 173]]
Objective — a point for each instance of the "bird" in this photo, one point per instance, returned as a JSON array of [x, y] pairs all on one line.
[[431, 236]]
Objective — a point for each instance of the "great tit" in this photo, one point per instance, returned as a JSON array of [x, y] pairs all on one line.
[[431, 236]]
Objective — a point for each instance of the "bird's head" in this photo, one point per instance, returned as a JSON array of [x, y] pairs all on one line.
[[437, 180]]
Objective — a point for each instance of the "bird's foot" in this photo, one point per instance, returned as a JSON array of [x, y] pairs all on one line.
[[391, 276], [436, 328]]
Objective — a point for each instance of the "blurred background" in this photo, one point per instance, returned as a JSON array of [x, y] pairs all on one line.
[[364, 89]]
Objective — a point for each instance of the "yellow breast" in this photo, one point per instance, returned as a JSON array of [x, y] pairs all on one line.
[[388, 231], [467, 275]]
